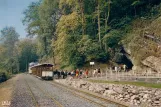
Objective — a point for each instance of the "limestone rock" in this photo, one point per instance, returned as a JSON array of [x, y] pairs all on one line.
[[153, 62], [81, 83], [99, 89], [91, 87], [146, 96], [118, 90], [109, 92]]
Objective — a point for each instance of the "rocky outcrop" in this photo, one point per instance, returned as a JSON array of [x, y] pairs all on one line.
[[137, 96], [153, 63]]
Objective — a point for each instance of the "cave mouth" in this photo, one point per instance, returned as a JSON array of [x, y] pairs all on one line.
[[127, 62], [123, 59]]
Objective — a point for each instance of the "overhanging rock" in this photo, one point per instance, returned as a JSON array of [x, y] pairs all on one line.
[[153, 62]]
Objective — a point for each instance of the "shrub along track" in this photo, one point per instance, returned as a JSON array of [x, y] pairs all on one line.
[[100, 101]]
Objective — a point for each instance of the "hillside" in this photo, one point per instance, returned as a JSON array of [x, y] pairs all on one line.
[[143, 40], [72, 33], [139, 37]]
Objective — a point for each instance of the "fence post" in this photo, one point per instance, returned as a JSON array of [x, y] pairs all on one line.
[[118, 76], [106, 73], [158, 74], [111, 72]]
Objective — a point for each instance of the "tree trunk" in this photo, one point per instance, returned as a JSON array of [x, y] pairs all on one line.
[[45, 43], [109, 9], [105, 47], [82, 16], [105, 22], [53, 49], [26, 64], [99, 27]]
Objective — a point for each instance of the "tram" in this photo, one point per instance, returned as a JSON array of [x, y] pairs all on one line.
[[44, 71]]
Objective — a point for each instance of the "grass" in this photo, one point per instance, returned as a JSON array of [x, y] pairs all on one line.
[[144, 84]]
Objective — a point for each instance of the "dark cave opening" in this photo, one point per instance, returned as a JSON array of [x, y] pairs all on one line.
[[121, 58]]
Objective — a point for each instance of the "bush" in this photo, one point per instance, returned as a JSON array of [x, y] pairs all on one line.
[[120, 23], [113, 38], [102, 57], [3, 76], [118, 58], [77, 60]]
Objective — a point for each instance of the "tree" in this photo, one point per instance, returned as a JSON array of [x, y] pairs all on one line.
[[41, 18], [31, 19], [99, 24], [9, 38], [67, 37], [135, 4], [77, 31], [27, 52], [49, 13]]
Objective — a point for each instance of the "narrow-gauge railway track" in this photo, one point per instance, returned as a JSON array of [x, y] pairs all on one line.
[[76, 91], [45, 93], [32, 94], [87, 99]]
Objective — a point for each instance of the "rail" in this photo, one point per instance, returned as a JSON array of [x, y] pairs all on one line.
[[89, 94], [32, 95], [45, 93]]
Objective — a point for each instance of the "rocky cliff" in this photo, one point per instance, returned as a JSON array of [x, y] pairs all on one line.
[[143, 44]]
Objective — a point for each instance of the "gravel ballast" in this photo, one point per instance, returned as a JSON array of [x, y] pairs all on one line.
[[30, 91]]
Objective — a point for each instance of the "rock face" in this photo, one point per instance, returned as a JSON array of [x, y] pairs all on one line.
[[153, 62], [137, 96]]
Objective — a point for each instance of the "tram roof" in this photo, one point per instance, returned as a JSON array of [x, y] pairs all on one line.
[[43, 65]]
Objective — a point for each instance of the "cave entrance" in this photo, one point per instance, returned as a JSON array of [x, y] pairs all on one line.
[[127, 62], [123, 59]]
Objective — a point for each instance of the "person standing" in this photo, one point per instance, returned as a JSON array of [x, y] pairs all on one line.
[[124, 67], [59, 74], [72, 73], [94, 72], [77, 73], [65, 74], [80, 73], [99, 72], [116, 69], [62, 74], [86, 73]]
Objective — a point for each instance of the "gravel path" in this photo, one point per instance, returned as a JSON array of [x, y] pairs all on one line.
[[30, 91]]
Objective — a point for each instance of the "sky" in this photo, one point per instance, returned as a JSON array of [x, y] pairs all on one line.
[[11, 14]]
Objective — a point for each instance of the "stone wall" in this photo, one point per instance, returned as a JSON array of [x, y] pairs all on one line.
[[137, 96]]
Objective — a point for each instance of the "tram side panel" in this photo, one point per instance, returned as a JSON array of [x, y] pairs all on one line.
[[30, 71], [47, 75]]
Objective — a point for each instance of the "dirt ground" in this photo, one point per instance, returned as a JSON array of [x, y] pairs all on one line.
[[6, 89]]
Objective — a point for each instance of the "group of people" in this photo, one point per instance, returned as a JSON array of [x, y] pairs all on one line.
[[75, 73], [79, 73], [120, 68], [61, 73], [96, 72]]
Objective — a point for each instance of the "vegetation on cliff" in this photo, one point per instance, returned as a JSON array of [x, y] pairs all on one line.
[[78, 31], [74, 32]]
